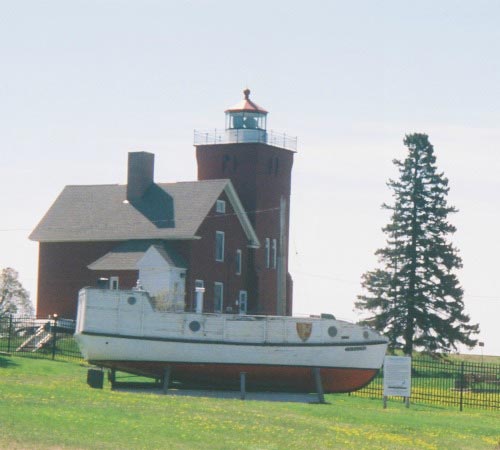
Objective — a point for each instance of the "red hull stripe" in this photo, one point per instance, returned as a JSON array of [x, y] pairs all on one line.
[[335, 380]]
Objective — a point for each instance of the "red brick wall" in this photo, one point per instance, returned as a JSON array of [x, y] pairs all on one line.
[[62, 272], [63, 267], [261, 174], [205, 267]]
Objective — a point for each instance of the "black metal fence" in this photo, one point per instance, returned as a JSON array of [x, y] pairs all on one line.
[[39, 338], [448, 382]]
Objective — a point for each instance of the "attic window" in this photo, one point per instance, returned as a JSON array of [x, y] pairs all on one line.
[[220, 206]]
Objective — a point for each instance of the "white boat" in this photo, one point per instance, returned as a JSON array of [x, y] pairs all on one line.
[[128, 331]]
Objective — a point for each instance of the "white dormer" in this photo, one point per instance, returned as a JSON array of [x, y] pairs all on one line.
[[162, 279]]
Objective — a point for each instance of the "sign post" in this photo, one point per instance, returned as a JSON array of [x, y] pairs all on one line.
[[397, 378]]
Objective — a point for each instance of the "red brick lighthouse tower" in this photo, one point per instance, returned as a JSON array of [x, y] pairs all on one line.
[[259, 164]]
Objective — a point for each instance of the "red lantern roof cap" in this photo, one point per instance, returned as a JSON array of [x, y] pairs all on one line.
[[247, 105]]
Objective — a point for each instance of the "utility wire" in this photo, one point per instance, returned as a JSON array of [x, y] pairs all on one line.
[[161, 221]]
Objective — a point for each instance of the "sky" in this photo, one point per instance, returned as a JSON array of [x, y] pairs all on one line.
[[84, 82]]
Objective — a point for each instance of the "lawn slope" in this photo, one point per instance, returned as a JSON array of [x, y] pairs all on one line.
[[46, 404]]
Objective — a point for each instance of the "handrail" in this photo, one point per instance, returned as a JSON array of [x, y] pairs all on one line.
[[231, 136]]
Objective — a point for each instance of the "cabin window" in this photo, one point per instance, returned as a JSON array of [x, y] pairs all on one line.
[[274, 250], [220, 206], [238, 262], [268, 252], [219, 246], [243, 302], [218, 296], [114, 283]]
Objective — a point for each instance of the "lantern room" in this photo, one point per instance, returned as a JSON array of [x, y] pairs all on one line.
[[246, 121]]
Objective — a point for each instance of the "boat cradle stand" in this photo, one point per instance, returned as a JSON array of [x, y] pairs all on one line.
[[319, 385], [317, 382], [165, 382]]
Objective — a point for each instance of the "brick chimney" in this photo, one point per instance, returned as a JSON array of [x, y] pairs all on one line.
[[140, 174]]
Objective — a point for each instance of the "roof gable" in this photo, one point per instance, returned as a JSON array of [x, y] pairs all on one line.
[[128, 256], [167, 211], [159, 256]]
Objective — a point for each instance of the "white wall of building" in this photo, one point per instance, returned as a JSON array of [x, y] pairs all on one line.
[[164, 282]]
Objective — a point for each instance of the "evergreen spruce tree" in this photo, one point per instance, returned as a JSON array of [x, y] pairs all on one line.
[[415, 298]]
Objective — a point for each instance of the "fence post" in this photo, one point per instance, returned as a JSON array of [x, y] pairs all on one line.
[[243, 386], [462, 382], [54, 337], [10, 333]]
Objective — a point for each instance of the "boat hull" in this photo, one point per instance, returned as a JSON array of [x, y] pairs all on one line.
[[121, 330], [277, 367], [258, 377]]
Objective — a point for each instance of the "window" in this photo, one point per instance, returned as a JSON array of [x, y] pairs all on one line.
[[226, 164], [225, 161], [114, 283], [238, 262], [243, 302], [273, 165], [220, 206], [268, 253], [219, 246], [199, 284], [218, 296], [274, 249]]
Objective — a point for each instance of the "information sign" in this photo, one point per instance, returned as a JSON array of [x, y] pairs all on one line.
[[397, 376]]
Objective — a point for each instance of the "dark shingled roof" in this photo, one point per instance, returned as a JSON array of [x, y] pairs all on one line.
[[126, 256], [98, 213]]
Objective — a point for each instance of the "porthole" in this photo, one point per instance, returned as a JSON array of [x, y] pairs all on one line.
[[131, 300], [332, 331], [366, 335], [194, 325]]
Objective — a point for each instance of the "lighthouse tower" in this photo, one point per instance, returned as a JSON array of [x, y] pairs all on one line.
[[259, 164]]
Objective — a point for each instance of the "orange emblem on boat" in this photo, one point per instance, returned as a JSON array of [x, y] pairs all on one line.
[[304, 330]]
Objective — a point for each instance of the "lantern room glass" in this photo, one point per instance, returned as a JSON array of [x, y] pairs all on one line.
[[245, 120]]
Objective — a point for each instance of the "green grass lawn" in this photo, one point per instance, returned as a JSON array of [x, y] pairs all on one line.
[[47, 404]]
